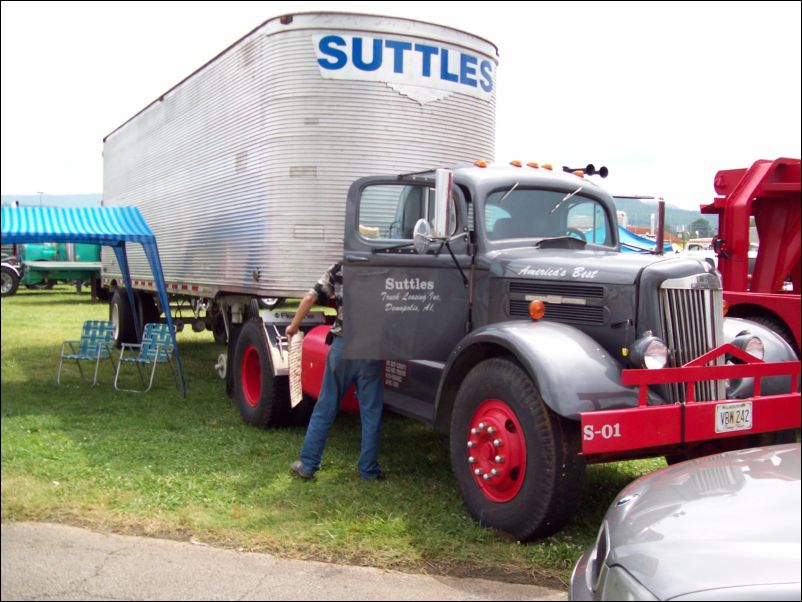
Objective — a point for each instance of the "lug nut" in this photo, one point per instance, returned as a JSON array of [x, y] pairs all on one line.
[[474, 431], [471, 460], [497, 442], [477, 472], [482, 426], [471, 444], [486, 477], [499, 459], [494, 472], [491, 430]]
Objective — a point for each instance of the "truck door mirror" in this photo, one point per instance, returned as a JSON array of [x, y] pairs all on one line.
[[422, 235], [443, 205]]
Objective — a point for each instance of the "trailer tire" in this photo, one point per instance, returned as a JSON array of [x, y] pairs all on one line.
[[231, 351], [219, 327], [263, 398], [98, 292], [122, 315], [252, 309], [147, 308], [10, 282], [540, 474]]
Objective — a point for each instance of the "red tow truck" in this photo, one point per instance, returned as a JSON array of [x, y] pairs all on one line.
[[769, 191]]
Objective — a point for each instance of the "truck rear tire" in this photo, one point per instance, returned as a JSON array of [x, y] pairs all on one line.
[[263, 398], [517, 463], [121, 314], [10, 282]]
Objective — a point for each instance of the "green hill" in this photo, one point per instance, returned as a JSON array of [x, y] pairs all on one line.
[[639, 214]]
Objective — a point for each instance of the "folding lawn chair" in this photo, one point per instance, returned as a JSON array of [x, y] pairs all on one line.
[[97, 343], [156, 348]]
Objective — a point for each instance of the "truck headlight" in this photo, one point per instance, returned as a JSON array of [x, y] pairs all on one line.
[[750, 343], [650, 352]]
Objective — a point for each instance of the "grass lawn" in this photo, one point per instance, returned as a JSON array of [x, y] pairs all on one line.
[[161, 465]]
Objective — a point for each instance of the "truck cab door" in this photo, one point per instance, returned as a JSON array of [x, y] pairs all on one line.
[[399, 303]]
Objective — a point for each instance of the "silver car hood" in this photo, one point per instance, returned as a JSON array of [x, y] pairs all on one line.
[[678, 531]]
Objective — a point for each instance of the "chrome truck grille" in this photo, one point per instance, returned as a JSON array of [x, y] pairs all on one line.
[[692, 311]]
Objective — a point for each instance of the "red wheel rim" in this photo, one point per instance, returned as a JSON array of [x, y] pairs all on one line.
[[496, 450], [251, 376]]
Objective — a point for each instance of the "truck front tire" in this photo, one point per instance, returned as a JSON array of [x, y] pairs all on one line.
[[516, 462], [263, 398], [10, 282]]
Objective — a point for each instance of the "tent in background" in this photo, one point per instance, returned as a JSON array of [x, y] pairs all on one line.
[[635, 243], [111, 226]]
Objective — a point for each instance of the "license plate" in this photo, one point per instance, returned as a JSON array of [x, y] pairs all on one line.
[[734, 417]]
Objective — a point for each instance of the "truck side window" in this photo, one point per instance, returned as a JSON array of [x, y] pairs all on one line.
[[390, 211]]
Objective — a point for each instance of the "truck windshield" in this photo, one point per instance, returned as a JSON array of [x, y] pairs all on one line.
[[539, 214]]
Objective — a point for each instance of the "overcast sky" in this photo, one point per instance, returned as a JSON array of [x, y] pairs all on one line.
[[663, 94]]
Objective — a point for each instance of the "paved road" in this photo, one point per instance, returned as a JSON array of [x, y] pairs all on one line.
[[56, 562]]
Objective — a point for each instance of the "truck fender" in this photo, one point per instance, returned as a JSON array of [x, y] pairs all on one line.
[[776, 348], [12, 268], [572, 371]]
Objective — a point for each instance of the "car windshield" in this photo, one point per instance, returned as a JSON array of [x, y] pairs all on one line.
[[538, 214]]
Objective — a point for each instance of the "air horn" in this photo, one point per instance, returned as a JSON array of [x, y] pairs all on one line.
[[590, 170]]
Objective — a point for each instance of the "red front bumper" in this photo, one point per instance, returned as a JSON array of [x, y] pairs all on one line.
[[642, 427]]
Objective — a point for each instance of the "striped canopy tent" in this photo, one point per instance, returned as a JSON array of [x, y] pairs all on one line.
[[110, 226]]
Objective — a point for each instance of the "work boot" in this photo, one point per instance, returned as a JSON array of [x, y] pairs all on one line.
[[299, 470]]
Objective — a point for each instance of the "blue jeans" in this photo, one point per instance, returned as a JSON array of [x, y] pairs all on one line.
[[340, 374]]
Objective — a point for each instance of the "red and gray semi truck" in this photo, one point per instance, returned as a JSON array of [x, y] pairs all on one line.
[[496, 294]]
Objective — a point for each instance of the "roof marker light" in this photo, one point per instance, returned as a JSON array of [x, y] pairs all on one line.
[[533, 165], [480, 163], [515, 163]]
